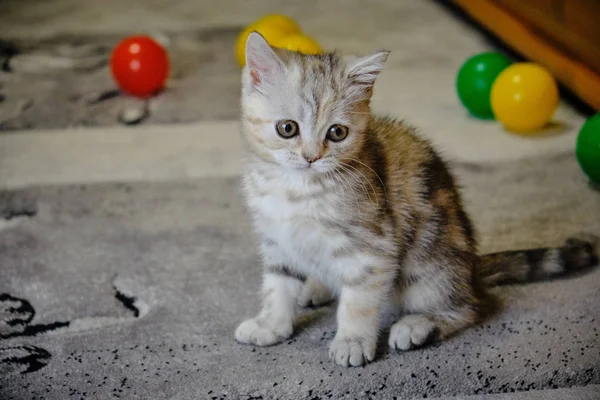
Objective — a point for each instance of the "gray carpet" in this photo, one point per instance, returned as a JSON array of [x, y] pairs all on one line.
[[65, 81], [133, 291]]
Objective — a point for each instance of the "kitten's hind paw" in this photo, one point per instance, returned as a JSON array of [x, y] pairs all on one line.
[[412, 331], [314, 294], [257, 332], [352, 352]]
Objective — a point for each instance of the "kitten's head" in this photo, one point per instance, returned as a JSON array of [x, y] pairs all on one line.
[[306, 112]]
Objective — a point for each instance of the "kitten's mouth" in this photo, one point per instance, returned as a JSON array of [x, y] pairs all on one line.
[[301, 167], [309, 168], [313, 169], [306, 168]]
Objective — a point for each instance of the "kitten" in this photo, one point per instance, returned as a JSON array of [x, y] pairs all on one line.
[[359, 207]]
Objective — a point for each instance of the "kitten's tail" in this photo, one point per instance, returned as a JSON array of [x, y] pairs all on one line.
[[521, 266]]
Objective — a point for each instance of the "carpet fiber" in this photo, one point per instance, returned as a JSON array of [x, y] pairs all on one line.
[[133, 291]]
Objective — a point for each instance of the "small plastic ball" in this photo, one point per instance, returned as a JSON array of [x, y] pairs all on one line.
[[587, 149], [299, 43], [524, 97], [271, 27], [283, 23], [475, 79], [139, 66]]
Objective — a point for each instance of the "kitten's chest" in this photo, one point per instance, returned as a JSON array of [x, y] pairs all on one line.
[[285, 198], [305, 220]]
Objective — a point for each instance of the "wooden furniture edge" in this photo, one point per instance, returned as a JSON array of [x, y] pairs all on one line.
[[579, 78]]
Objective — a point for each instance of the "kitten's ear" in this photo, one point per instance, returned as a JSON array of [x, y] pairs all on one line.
[[364, 70], [262, 62]]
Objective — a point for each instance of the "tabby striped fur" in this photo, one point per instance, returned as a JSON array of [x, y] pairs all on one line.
[[375, 220]]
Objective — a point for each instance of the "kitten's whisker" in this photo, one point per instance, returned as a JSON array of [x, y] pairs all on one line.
[[350, 190], [354, 100], [357, 178], [372, 170], [356, 112], [368, 181], [347, 183]]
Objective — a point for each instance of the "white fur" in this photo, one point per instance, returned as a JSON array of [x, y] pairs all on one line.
[[305, 235], [314, 293], [306, 243], [281, 96], [356, 339], [428, 293], [410, 331], [275, 322], [552, 263]]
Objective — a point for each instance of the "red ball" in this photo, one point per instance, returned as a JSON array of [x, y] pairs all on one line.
[[140, 66]]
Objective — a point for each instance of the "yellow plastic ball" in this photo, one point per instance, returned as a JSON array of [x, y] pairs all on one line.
[[284, 24], [300, 43], [240, 45], [272, 27], [524, 97]]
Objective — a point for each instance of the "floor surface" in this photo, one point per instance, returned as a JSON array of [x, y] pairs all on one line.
[[126, 258]]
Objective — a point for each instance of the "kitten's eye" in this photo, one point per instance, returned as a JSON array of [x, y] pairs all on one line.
[[287, 128], [337, 133]]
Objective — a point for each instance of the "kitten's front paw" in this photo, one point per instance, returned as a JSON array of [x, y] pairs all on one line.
[[353, 352], [257, 332]]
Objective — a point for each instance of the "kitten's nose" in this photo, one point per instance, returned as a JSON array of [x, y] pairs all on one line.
[[311, 159]]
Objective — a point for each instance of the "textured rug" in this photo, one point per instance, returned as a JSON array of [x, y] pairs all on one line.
[[133, 291], [65, 81]]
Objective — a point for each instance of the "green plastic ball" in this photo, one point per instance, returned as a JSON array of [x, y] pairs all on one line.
[[475, 79], [588, 148]]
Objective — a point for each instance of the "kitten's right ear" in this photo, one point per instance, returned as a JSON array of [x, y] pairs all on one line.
[[262, 62], [364, 70]]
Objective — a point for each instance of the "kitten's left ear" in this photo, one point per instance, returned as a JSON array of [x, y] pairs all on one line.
[[261, 60], [364, 70]]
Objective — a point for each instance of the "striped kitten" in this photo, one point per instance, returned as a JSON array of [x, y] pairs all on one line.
[[355, 206]]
